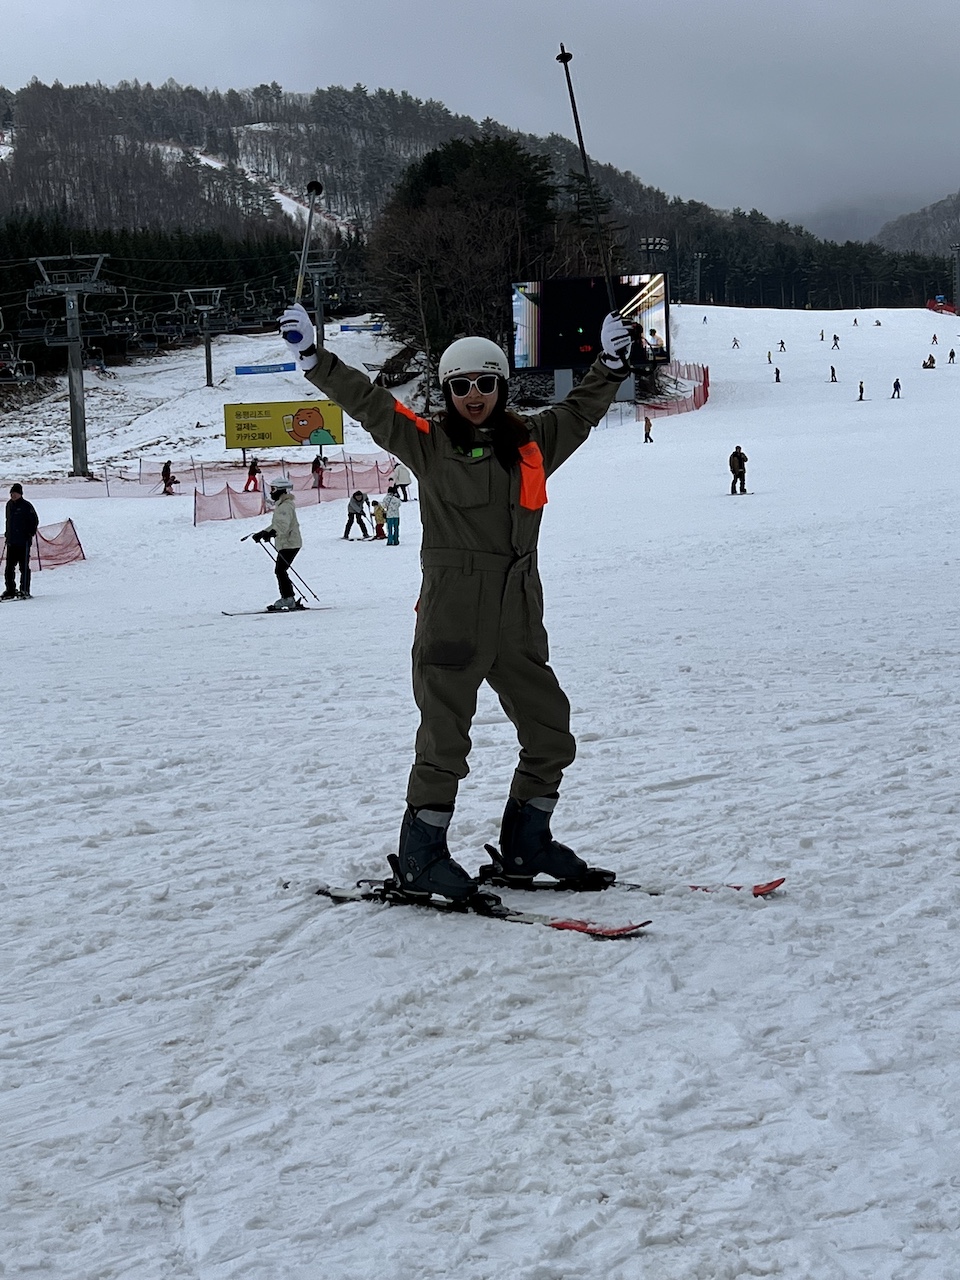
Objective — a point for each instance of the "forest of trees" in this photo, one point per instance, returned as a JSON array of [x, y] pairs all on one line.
[[118, 170]]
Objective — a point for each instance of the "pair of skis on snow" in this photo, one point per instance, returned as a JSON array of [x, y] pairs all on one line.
[[488, 904]]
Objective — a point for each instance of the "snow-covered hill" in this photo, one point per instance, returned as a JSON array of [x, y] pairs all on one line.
[[208, 1077]]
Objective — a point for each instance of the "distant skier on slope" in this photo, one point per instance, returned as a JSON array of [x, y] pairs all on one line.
[[284, 529], [482, 474], [896, 389]]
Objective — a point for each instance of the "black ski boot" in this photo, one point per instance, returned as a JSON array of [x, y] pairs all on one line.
[[423, 864], [528, 849]]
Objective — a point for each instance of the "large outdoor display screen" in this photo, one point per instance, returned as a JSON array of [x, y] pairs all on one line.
[[556, 323]]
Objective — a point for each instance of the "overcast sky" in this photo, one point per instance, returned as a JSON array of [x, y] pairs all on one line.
[[782, 105]]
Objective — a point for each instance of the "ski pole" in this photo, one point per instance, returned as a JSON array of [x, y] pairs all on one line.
[[290, 569], [565, 58], [315, 189]]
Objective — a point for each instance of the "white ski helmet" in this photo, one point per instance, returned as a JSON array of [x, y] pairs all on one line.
[[472, 355], [281, 485]]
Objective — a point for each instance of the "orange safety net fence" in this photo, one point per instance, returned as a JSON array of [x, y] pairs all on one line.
[[679, 399], [340, 479], [54, 545]]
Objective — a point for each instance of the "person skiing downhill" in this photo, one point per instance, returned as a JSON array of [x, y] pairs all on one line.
[[482, 474], [284, 528]]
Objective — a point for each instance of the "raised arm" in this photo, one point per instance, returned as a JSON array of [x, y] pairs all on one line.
[[393, 425]]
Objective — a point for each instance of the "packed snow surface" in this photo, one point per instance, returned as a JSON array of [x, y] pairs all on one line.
[[206, 1076]]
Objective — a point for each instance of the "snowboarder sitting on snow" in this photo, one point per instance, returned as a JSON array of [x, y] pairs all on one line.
[[738, 467], [482, 481], [285, 530]]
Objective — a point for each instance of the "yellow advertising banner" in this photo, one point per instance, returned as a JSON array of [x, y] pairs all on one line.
[[279, 424]]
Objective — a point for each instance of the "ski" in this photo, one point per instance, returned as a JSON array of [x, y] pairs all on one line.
[[487, 905], [762, 890], [594, 880], [252, 613]]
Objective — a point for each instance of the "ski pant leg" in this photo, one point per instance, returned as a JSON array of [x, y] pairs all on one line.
[[10, 568], [453, 648], [25, 568], [529, 691], [285, 559]]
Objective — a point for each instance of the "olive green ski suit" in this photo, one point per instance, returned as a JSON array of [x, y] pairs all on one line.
[[480, 615]]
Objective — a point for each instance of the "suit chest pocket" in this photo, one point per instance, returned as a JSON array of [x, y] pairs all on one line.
[[465, 482]]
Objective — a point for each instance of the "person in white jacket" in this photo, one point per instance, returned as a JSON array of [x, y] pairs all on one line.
[[284, 529], [391, 505], [401, 478]]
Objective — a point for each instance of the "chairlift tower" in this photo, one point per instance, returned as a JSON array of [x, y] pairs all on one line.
[[321, 271], [73, 282], [205, 301]]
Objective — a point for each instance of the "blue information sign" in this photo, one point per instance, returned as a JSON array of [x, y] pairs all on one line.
[[265, 368]]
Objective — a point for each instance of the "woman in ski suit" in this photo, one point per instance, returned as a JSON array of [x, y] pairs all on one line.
[[482, 483]]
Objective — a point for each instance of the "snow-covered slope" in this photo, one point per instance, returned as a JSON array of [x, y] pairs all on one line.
[[207, 1076]]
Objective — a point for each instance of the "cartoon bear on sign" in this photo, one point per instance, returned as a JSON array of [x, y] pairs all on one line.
[[306, 426]]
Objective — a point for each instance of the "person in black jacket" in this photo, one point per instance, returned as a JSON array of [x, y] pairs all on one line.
[[20, 530], [738, 469]]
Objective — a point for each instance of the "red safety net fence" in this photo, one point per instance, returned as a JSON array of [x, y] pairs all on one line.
[[54, 545], [687, 388], [340, 479]]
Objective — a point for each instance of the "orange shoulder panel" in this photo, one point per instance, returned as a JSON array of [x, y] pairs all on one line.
[[406, 412]]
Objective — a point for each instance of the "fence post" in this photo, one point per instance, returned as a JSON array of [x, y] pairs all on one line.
[[106, 479]]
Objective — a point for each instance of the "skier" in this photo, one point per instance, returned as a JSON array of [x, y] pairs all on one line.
[[833, 374], [482, 475], [284, 529], [252, 472], [647, 431], [855, 325], [355, 511], [933, 341], [836, 343], [821, 335], [860, 396], [391, 506], [20, 529], [776, 375], [168, 479], [951, 356], [317, 467], [783, 345], [769, 357], [896, 389], [401, 478], [738, 469], [736, 344]]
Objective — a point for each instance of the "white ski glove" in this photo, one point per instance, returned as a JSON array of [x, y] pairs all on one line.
[[615, 342], [296, 328]]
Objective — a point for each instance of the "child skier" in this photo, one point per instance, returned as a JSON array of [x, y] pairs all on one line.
[[482, 482]]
